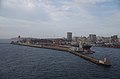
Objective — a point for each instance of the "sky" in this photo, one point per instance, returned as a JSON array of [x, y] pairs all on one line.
[[54, 18]]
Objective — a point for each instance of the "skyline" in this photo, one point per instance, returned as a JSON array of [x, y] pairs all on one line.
[[54, 18]]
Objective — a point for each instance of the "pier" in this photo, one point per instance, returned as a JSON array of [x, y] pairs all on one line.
[[86, 57]]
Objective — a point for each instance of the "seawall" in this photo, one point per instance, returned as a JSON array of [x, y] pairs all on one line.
[[86, 57]]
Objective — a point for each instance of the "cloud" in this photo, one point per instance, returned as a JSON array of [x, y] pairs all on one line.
[[51, 9], [39, 16], [90, 1]]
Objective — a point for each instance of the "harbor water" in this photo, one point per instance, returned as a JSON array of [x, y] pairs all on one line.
[[21, 62]]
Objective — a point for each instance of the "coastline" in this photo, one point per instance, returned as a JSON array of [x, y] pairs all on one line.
[[86, 57]]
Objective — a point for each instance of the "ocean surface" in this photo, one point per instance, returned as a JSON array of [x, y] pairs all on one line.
[[20, 62]]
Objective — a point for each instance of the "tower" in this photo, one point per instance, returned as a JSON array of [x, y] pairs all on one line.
[[69, 36], [92, 38]]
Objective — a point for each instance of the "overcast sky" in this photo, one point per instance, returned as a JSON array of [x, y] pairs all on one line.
[[53, 18]]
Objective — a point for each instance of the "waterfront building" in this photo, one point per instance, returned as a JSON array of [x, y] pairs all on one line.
[[84, 40], [114, 39], [119, 40], [103, 39], [92, 38], [69, 36], [76, 39]]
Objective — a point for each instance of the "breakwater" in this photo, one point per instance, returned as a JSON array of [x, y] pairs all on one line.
[[86, 57]]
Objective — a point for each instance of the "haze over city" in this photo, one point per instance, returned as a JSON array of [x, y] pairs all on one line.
[[53, 18]]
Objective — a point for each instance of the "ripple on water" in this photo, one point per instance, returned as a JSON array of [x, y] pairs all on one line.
[[20, 62]]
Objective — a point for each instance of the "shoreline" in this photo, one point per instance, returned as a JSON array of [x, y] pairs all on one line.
[[86, 57]]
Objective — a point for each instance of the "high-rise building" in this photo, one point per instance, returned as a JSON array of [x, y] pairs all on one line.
[[92, 38], [69, 36]]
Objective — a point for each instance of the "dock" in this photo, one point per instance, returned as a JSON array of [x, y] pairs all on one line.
[[86, 57]]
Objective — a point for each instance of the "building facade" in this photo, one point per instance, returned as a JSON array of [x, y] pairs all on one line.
[[92, 38], [69, 36], [114, 39]]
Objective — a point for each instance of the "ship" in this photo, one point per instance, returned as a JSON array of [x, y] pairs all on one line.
[[83, 46], [86, 47], [105, 62]]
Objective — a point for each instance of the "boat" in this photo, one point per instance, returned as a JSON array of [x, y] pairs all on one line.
[[105, 62], [86, 47]]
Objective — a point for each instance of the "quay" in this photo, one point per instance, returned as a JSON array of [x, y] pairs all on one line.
[[86, 57]]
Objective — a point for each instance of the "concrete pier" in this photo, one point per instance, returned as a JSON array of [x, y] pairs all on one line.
[[86, 57]]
